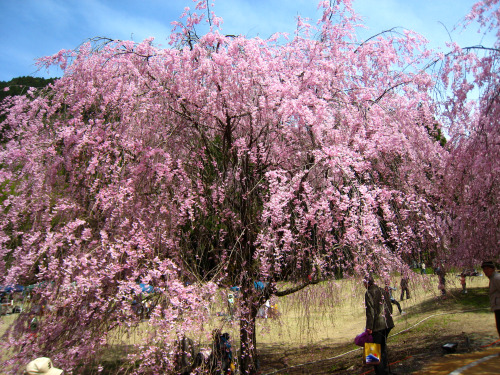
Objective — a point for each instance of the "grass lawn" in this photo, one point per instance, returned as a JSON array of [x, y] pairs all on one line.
[[315, 328]]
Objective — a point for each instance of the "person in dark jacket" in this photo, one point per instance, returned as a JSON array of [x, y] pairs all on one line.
[[494, 290], [404, 288], [378, 319]]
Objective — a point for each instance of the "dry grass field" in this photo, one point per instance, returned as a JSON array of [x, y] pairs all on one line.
[[314, 330], [323, 343]]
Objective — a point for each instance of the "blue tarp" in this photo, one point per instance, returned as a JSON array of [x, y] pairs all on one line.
[[11, 288], [146, 288], [259, 285]]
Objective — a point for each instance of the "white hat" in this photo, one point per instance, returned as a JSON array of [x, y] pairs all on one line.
[[42, 365]]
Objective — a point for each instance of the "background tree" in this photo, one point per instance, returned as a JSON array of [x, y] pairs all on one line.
[[224, 161], [21, 85], [473, 169]]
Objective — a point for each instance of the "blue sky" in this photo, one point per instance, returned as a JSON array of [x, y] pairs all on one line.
[[35, 28]]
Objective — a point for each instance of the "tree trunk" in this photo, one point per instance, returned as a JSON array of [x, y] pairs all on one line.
[[248, 356]]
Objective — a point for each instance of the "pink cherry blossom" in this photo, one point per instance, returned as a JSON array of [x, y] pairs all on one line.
[[224, 161]]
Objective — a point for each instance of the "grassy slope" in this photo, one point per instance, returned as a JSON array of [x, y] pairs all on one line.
[[430, 322]]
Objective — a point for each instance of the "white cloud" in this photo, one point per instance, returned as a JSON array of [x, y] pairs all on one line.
[[120, 22], [42, 27]]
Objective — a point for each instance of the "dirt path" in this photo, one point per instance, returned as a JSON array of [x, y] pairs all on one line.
[[485, 362]]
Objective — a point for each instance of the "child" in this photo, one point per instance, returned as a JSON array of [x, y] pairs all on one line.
[[389, 290]]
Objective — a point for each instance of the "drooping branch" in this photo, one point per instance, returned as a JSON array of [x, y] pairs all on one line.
[[282, 293]]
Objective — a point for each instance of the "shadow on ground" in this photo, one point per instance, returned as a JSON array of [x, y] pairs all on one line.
[[429, 325]]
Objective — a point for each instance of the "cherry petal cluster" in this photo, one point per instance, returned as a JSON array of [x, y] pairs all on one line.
[[472, 106], [224, 161]]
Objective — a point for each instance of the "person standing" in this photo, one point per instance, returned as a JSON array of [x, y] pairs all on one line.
[[230, 304], [494, 290], [422, 271], [442, 279], [378, 320], [404, 288], [463, 282]]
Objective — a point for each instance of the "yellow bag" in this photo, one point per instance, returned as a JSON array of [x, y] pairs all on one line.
[[372, 353]]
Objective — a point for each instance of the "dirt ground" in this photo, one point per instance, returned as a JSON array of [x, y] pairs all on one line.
[[417, 339]]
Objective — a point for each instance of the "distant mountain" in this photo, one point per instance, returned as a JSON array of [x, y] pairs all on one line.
[[20, 85]]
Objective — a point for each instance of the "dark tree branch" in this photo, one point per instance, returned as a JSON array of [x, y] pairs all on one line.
[[282, 293]]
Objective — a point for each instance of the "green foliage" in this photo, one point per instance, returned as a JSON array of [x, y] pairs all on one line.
[[436, 133], [20, 85]]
